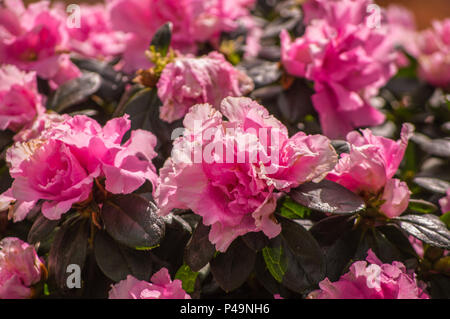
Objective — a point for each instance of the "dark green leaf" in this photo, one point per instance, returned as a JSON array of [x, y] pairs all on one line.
[[199, 250], [422, 206], [340, 254], [117, 261], [255, 240], [446, 219], [41, 229], [428, 228], [341, 146], [162, 38], [76, 91], [293, 210], [433, 185], [187, 277], [262, 72], [329, 229], [440, 287], [232, 268], [327, 197], [438, 147], [5, 139], [69, 247], [294, 258], [133, 221]]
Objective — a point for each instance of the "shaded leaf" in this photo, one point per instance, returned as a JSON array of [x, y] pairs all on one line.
[[232, 268], [293, 210], [162, 38], [438, 147], [341, 146], [294, 258], [199, 250], [133, 221], [446, 219], [422, 206], [329, 229], [75, 91], [41, 229], [69, 247], [327, 197], [255, 240], [428, 228], [433, 185], [117, 261], [262, 72]]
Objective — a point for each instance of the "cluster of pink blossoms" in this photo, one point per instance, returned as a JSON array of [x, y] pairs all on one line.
[[76, 150], [370, 166], [20, 101], [189, 80], [372, 280], [193, 22], [36, 39], [228, 171], [20, 269], [348, 59], [160, 287], [434, 54]]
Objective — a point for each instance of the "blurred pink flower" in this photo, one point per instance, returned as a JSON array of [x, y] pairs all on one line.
[[372, 280], [160, 287], [227, 171], [194, 21], [95, 37], [434, 54], [20, 101], [348, 60], [371, 165], [189, 80], [75, 151], [35, 39], [445, 203], [20, 269]]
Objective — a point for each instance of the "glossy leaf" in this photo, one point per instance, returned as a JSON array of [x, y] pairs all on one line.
[[327, 197], [162, 38], [428, 228], [41, 229], [132, 221], [232, 268], [69, 247], [199, 250], [117, 261], [433, 185], [76, 91]]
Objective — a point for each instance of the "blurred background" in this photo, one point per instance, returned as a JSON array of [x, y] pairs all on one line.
[[424, 10]]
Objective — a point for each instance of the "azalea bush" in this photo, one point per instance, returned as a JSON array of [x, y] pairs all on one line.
[[179, 149]]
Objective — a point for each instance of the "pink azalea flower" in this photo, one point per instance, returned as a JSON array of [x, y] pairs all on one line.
[[434, 54], [348, 60], [193, 21], [228, 171], [445, 203], [95, 37], [372, 279], [160, 287], [20, 269], [189, 80], [20, 101], [396, 198], [35, 39], [75, 151], [370, 167]]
